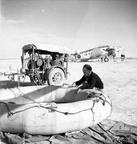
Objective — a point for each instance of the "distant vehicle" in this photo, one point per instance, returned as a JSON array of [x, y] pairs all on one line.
[[44, 63], [102, 52]]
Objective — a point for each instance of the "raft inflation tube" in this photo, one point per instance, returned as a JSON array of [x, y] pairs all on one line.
[[68, 110], [31, 94]]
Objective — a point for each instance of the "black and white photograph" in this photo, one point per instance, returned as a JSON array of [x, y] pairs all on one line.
[[68, 72]]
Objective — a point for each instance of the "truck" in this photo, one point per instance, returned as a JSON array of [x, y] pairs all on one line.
[[43, 64]]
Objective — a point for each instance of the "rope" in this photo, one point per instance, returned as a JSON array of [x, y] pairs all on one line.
[[66, 113], [9, 112], [105, 99], [21, 94], [27, 97], [15, 93], [50, 108], [99, 97], [24, 95]]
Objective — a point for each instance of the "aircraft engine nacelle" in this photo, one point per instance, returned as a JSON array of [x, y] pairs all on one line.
[[78, 56], [111, 51]]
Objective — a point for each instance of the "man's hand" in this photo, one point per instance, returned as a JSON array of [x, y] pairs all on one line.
[[74, 84]]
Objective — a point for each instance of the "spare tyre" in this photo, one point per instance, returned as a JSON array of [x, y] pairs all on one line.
[[56, 76]]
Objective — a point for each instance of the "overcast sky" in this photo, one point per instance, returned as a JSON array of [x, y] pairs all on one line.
[[75, 24]]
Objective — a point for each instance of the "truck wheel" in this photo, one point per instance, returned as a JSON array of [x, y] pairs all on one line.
[[106, 59], [56, 77]]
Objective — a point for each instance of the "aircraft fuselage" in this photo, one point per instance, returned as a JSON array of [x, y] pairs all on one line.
[[98, 52]]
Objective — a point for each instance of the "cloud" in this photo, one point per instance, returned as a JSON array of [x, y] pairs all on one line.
[[10, 21], [7, 21], [4, 21]]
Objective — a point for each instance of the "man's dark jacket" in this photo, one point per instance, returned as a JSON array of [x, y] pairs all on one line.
[[93, 80]]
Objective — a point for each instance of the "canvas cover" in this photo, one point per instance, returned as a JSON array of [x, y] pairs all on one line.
[[53, 48], [106, 132], [49, 48]]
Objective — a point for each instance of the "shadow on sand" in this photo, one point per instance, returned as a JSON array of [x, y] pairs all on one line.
[[11, 84]]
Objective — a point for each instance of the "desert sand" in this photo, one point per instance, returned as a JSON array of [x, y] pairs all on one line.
[[120, 83]]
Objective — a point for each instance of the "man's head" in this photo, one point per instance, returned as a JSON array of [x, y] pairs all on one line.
[[87, 69]]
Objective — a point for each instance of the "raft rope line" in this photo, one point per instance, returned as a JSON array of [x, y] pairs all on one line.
[[50, 98], [52, 108], [15, 93], [27, 97], [23, 95], [99, 97], [9, 112], [89, 95]]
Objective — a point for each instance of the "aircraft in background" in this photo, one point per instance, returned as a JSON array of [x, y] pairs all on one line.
[[102, 52]]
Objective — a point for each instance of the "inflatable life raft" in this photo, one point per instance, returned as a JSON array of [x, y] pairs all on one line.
[[51, 109]]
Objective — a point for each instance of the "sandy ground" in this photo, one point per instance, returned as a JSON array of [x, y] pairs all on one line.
[[120, 81]]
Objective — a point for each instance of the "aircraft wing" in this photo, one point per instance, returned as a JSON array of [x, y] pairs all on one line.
[[98, 52]]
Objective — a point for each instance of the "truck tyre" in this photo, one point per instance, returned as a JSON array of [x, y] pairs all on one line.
[[106, 59], [56, 76]]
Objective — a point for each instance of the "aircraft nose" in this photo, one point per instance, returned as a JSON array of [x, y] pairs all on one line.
[[118, 49], [103, 51]]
